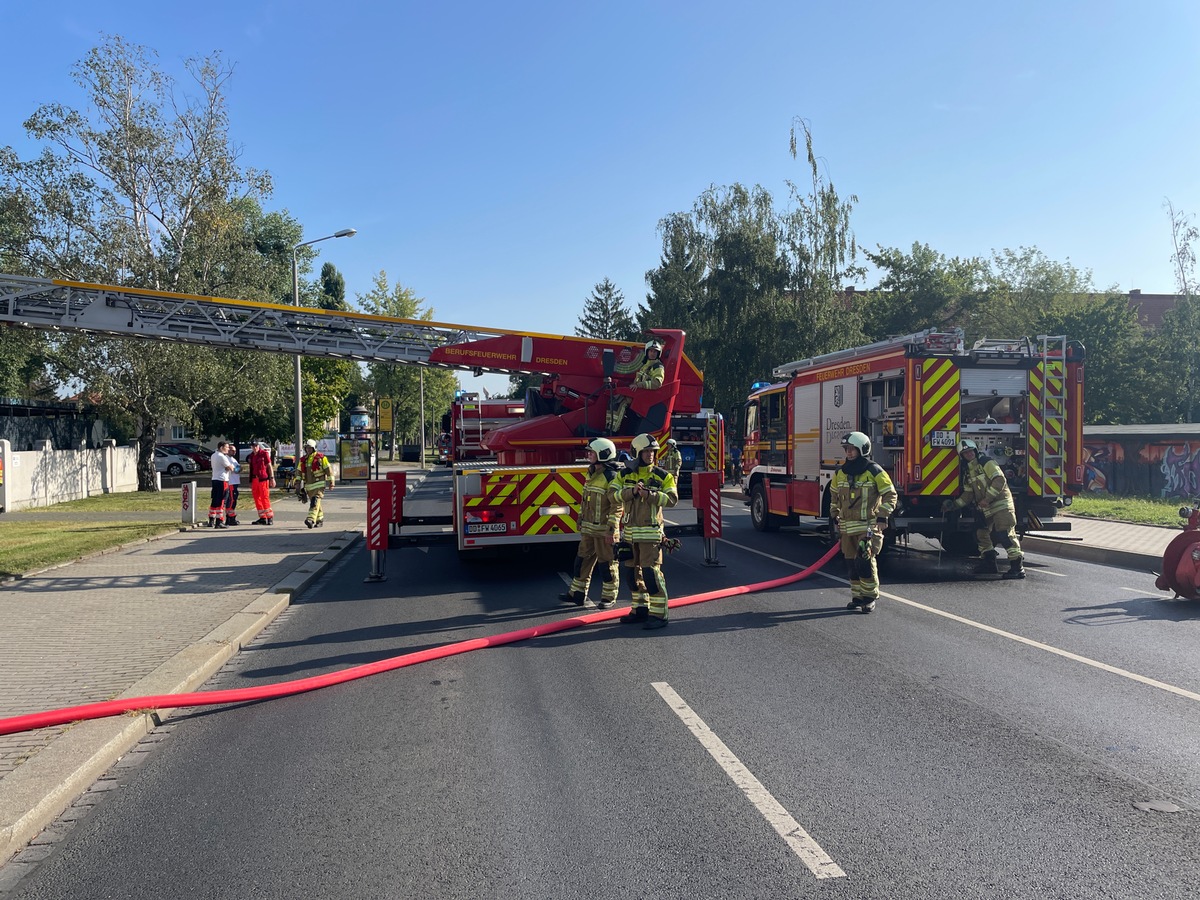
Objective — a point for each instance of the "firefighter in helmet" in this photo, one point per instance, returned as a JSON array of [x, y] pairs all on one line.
[[862, 498], [672, 460], [650, 376], [646, 491], [314, 476], [599, 526], [986, 488]]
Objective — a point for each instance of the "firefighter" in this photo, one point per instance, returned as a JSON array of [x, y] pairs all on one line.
[[986, 488], [862, 499], [671, 460], [646, 490], [599, 526], [314, 475], [650, 376]]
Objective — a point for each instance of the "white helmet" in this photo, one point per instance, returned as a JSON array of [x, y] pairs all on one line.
[[605, 450], [644, 442], [654, 344], [967, 444], [670, 442], [311, 443], [858, 441]]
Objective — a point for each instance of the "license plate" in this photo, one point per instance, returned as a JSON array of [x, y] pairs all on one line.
[[943, 439], [488, 528]]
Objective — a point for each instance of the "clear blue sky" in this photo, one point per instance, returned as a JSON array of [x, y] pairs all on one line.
[[500, 159]]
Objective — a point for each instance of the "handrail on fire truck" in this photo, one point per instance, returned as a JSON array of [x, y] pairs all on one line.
[[931, 341]]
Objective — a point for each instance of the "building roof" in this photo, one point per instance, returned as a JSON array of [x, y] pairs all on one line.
[[1167, 430]]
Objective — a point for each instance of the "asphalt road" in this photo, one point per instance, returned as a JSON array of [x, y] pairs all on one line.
[[968, 739]]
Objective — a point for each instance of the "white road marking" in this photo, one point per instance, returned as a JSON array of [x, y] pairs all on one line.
[[801, 842], [1028, 642], [1048, 572]]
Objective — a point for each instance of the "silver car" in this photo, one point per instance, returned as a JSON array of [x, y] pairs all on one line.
[[172, 463]]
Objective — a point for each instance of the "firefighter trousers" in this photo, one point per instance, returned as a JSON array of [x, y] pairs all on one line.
[[595, 549], [646, 581], [860, 552], [316, 515], [1000, 529]]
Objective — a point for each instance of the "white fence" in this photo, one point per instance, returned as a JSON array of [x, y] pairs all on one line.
[[42, 477]]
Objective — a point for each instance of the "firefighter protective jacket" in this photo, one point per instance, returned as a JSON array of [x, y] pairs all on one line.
[[315, 472], [672, 461], [643, 514], [985, 487], [651, 375], [600, 507], [860, 494]]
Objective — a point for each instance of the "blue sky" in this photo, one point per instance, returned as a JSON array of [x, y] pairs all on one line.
[[501, 159]]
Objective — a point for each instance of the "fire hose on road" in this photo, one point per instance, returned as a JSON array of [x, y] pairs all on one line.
[[65, 715]]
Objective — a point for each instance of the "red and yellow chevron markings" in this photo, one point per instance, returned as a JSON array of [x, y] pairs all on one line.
[[940, 404], [1046, 439], [555, 490]]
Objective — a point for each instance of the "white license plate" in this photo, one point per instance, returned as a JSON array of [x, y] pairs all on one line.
[[488, 528], [943, 439]]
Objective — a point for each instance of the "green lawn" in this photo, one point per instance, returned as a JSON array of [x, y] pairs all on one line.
[[1141, 510], [51, 535]]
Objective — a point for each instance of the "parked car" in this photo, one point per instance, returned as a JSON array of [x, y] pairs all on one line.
[[172, 464], [199, 455]]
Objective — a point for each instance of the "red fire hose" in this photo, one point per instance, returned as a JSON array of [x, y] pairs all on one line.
[[17, 724]]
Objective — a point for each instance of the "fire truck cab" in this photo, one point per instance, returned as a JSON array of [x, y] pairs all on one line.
[[916, 396]]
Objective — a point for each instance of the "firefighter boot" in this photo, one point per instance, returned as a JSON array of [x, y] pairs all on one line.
[[636, 614], [1016, 568], [576, 597], [986, 564]]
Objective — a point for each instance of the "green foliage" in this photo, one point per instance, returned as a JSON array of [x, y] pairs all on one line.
[[403, 384], [605, 315], [922, 289], [755, 287], [142, 188]]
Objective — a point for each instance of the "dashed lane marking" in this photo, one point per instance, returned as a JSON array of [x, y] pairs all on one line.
[[999, 632], [801, 842]]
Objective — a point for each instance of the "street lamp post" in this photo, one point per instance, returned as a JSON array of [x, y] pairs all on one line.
[[345, 232]]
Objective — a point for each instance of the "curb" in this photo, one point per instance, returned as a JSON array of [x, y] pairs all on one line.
[[1104, 556], [37, 791]]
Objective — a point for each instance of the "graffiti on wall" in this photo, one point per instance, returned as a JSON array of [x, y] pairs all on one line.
[[1098, 462], [1181, 472]]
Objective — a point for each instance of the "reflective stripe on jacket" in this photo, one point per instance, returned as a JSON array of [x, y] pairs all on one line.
[[985, 486], [643, 515], [600, 506], [856, 501]]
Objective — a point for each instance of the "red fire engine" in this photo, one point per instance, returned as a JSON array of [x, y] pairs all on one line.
[[915, 397], [470, 421]]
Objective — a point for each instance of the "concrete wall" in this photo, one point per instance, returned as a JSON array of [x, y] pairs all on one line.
[[44, 477], [1139, 466]]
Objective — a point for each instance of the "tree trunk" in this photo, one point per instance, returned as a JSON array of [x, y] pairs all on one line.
[[146, 472]]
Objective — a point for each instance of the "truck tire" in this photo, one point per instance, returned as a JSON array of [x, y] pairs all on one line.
[[759, 516]]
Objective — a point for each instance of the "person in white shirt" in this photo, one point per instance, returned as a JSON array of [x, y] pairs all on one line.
[[235, 483], [222, 465]]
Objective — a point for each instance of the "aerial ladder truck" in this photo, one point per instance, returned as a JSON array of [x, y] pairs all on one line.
[[530, 492]]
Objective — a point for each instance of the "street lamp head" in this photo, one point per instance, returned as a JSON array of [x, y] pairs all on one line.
[[346, 232]]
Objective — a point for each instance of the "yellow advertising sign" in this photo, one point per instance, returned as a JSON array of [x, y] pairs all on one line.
[[385, 414]]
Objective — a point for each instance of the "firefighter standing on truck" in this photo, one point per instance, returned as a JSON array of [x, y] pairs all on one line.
[[672, 460], [862, 498], [314, 475], [599, 526], [986, 488], [646, 491], [650, 376]]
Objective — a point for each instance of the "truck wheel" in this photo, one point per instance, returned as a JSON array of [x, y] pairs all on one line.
[[762, 520]]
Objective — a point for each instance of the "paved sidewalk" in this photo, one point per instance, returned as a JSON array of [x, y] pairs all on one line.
[[154, 617], [161, 616]]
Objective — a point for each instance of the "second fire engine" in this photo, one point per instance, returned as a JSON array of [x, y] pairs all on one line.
[[915, 397]]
